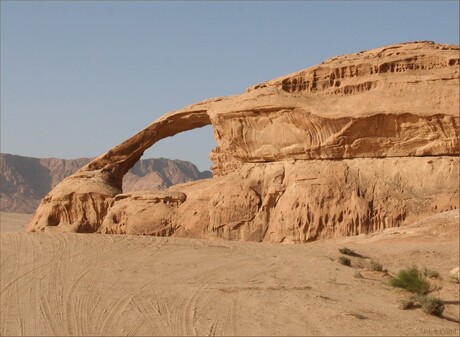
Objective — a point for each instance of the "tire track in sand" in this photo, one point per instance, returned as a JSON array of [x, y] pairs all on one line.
[[20, 287], [189, 318], [122, 303]]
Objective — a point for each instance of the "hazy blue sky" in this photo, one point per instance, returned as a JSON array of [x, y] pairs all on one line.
[[77, 78]]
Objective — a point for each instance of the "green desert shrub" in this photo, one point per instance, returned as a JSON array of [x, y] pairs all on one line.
[[347, 251], [431, 273], [345, 261], [412, 280], [357, 274], [375, 266], [431, 305]]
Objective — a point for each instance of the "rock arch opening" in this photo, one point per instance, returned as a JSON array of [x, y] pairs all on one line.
[[115, 163], [173, 160], [193, 146]]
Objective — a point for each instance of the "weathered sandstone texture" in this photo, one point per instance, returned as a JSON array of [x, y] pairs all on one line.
[[294, 201], [356, 144]]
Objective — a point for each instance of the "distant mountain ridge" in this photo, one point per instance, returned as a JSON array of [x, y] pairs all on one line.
[[24, 181]]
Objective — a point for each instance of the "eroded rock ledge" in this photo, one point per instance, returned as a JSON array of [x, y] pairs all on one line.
[[353, 145], [295, 201]]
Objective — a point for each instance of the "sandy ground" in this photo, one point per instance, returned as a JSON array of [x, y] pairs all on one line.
[[88, 284], [13, 222]]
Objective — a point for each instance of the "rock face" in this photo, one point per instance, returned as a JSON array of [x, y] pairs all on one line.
[[24, 181], [356, 144], [294, 202]]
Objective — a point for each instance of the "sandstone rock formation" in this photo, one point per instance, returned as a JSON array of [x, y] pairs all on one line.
[[24, 181], [356, 144], [293, 202]]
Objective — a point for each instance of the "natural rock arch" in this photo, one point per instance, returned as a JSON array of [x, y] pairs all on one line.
[[336, 149], [119, 160], [80, 202]]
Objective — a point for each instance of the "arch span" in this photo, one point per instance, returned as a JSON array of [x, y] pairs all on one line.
[[120, 159], [80, 202]]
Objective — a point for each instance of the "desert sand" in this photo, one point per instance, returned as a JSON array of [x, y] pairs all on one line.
[[93, 284], [13, 222]]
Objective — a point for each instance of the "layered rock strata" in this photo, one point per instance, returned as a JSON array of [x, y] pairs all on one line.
[[353, 145]]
